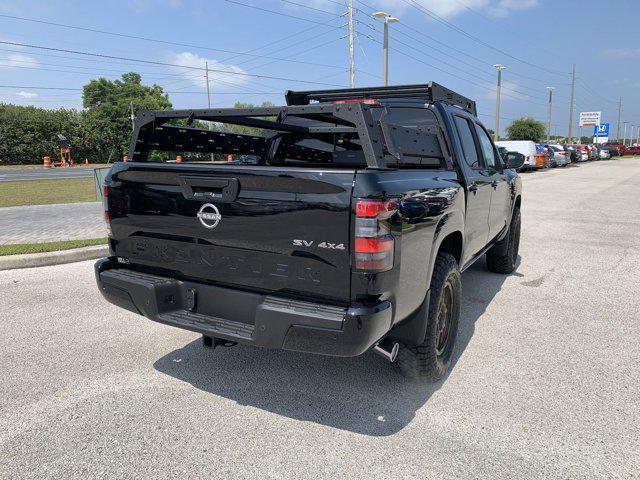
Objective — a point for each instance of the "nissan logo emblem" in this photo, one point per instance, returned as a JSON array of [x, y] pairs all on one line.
[[209, 215]]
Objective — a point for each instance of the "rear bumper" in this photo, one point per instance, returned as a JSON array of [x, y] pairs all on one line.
[[246, 317]]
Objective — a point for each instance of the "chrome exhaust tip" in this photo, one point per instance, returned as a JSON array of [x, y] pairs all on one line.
[[390, 355]]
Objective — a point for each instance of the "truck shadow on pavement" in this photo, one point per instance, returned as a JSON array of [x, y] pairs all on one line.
[[363, 394]]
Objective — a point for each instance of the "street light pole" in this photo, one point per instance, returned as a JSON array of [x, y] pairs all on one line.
[[385, 43], [497, 130], [549, 115], [206, 76], [573, 85]]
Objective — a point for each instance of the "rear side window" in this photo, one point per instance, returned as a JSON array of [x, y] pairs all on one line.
[[411, 138], [468, 144]]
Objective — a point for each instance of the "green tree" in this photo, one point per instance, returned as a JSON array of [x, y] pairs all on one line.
[[28, 133], [226, 127], [526, 129], [106, 123]]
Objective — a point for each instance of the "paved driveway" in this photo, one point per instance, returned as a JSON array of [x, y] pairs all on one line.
[[50, 223], [544, 383]]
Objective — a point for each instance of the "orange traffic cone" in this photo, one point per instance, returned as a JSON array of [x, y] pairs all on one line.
[[178, 159], [86, 162], [47, 162]]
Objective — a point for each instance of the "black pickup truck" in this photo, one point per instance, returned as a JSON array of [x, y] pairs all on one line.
[[348, 233]]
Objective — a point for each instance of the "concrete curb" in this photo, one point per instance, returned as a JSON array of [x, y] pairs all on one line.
[[30, 260]]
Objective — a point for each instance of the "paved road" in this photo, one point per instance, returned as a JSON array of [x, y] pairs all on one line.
[[45, 174], [545, 382], [50, 223]]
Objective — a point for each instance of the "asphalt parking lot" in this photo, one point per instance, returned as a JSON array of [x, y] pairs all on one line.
[[545, 382]]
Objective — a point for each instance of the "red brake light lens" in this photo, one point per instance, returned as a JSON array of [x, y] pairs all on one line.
[[373, 246], [105, 205], [371, 208]]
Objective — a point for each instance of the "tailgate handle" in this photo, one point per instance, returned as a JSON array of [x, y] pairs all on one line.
[[219, 189]]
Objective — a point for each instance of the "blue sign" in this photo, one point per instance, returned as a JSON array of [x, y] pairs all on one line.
[[601, 130]]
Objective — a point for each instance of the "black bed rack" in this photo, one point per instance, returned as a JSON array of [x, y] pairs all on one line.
[[429, 92]]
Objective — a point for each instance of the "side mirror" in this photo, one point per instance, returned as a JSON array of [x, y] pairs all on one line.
[[514, 160]]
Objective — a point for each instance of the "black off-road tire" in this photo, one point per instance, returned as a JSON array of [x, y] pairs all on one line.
[[501, 260], [430, 360]]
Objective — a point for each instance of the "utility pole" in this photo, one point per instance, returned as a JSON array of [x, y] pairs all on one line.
[[638, 140], [624, 136], [573, 86], [352, 63], [497, 130], [549, 115], [619, 114], [206, 76], [385, 44], [133, 117]]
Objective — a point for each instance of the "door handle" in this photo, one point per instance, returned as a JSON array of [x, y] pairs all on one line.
[[473, 188]]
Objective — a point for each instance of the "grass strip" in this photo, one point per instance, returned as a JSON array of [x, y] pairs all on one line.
[[49, 246], [46, 192]]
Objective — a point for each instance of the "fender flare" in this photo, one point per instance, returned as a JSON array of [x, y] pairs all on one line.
[[413, 329]]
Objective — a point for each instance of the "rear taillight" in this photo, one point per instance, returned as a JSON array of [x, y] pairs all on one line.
[[105, 205], [374, 246]]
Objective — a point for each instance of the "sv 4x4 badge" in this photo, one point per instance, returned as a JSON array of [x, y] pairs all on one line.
[[328, 245]]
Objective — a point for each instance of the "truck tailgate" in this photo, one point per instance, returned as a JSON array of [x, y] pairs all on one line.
[[273, 230]]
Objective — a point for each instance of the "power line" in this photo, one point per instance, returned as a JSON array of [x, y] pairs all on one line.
[[166, 42], [165, 64], [275, 12], [463, 32]]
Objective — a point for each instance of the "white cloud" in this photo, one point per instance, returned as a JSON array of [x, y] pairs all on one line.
[[509, 91], [219, 79], [622, 53], [27, 94], [443, 8], [16, 60]]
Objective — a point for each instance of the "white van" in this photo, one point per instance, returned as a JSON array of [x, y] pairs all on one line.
[[525, 147]]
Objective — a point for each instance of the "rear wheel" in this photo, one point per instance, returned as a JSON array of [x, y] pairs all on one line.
[[430, 360], [503, 256]]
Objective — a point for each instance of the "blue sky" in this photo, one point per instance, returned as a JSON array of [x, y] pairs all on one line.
[[303, 44]]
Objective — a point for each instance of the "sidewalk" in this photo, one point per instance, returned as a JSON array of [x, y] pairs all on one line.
[[51, 223]]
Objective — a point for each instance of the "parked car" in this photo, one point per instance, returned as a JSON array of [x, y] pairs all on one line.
[[612, 151], [634, 150], [320, 248], [572, 151], [604, 153], [544, 159], [617, 146], [560, 156], [584, 153], [525, 147]]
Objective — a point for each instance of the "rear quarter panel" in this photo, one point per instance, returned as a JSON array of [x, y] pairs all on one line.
[[431, 205]]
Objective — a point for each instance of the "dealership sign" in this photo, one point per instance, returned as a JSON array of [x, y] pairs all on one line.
[[589, 119]]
